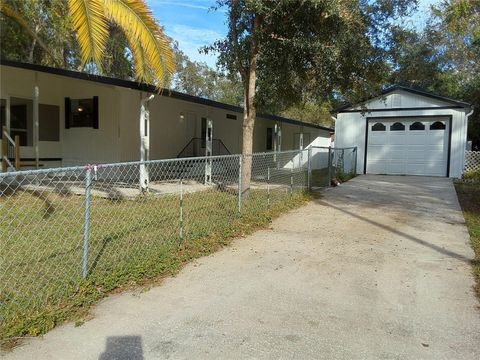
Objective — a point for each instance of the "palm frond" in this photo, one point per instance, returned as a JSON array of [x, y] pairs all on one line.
[[91, 27], [142, 72], [9, 12], [134, 17]]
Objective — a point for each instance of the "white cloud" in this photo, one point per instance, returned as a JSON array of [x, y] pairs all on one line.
[[191, 39], [191, 4]]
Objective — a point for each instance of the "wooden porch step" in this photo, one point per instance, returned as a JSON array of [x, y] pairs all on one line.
[[28, 164]]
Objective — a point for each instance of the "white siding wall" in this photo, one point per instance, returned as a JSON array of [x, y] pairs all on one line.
[[90, 145], [402, 99]]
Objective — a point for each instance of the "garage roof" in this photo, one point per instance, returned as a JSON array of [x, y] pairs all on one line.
[[453, 103]]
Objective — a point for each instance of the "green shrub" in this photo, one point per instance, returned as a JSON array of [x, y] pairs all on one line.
[[472, 175]]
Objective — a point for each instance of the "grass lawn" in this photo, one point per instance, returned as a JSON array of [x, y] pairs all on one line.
[[469, 197], [131, 242]]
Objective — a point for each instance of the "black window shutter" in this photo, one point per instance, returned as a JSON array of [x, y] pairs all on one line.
[[95, 112], [68, 108]]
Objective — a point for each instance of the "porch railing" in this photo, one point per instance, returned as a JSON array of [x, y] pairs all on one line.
[[196, 147], [10, 151]]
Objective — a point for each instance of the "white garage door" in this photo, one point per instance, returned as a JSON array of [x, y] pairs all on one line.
[[413, 146]]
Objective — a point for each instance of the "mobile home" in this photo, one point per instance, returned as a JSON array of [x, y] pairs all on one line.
[[66, 118]]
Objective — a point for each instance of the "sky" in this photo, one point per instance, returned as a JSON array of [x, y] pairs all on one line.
[[193, 24]]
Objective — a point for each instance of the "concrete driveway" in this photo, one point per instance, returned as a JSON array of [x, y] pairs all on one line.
[[377, 268]]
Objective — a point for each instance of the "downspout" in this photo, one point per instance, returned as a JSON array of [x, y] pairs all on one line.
[[466, 119], [144, 143], [466, 123], [466, 136], [334, 130]]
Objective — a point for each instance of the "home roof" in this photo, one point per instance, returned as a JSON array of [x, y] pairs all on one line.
[[453, 102], [150, 88]]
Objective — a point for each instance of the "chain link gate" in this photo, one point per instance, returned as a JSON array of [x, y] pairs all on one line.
[[327, 163]]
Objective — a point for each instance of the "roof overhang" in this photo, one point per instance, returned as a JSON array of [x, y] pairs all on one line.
[[451, 103]]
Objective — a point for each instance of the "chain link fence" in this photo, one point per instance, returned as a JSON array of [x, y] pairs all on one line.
[[332, 163], [109, 223]]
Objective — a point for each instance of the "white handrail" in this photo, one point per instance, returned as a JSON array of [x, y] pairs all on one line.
[[9, 138], [8, 162]]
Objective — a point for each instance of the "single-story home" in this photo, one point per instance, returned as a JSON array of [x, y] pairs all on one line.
[[405, 131], [67, 118]]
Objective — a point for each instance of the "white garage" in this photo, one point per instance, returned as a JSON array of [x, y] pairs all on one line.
[[405, 131]]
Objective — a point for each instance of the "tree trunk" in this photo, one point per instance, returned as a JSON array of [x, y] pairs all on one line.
[[30, 52], [249, 113], [36, 30]]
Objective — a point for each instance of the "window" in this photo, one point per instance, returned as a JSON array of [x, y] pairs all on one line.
[[49, 122], [378, 127], [437, 125], [231, 116], [397, 127], [269, 139], [21, 120], [81, 113], [417, 126]]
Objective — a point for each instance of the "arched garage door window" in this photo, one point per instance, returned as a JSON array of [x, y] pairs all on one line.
[[437, 125], [378, 127], [398, 126], [417, 125]]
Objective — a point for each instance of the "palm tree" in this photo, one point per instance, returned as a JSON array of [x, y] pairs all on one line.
[[150, 49]]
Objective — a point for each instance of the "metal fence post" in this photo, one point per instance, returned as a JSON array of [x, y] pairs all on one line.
[[181, 209], [240, 162], [86, 223], [329, 183], [291, 180], [309, 169], [268, 187], [355, 161], [4, 149]]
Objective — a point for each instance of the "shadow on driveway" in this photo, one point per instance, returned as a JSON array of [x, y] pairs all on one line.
[[400, 233], [123, 348]]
